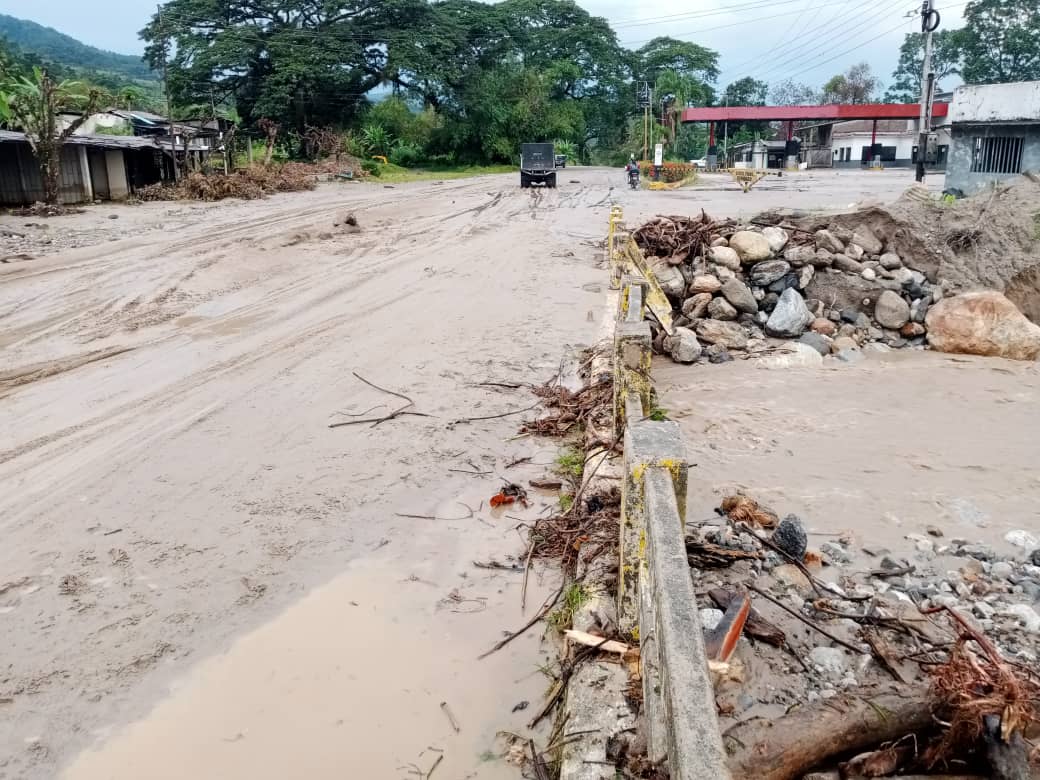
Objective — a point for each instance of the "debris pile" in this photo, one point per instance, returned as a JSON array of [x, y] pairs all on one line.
[[250, 184], [836, 283], [945, 641]]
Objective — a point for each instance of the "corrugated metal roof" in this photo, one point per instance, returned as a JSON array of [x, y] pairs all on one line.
[[101, 141]]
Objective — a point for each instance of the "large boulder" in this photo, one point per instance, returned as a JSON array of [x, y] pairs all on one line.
[[727, 334], [825, 239], [720, 309], [724, 256], [864, 237], [891, 311], [890, 261], [671, 280], [705, 283], [791, 316], [765, 273], [750, 246], [777, 238], [982, 323], [695, 306], [740, 295], [798, 256], [683, 346]]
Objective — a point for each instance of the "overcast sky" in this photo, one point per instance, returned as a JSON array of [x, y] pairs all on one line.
[[808, 40]]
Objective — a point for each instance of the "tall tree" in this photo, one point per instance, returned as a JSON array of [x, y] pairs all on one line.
[[792, 93], [1001, 41], [946, 61], [35, 104], [856, 85], [745, 92]]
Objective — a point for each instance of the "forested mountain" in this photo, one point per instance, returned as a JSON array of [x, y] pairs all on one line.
[[49, 45]]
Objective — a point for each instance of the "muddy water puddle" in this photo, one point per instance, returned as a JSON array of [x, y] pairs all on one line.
[[349, 682]]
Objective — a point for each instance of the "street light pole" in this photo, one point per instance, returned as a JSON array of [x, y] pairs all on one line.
[[929, 23]]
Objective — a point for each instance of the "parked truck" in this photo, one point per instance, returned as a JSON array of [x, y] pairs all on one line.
[[537, 165]]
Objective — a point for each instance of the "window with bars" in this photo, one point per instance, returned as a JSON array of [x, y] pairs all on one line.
[[999, 154]]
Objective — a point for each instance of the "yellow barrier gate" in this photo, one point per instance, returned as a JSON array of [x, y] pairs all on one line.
[[749, 177]]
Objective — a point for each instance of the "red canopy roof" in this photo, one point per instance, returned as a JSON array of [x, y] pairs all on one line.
[[837, 111]]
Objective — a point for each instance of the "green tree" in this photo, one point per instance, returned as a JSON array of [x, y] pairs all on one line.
[[745, 92], [946, 61], [1001, 41], [792, 93], [34, 103], [856, 85], [674, 92]]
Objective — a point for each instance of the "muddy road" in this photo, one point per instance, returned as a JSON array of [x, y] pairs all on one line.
[[173, 493]]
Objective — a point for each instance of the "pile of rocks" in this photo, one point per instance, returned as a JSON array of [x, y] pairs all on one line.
[[834, 290]]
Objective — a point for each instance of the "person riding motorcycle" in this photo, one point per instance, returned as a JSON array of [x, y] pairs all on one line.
[[632, 169]]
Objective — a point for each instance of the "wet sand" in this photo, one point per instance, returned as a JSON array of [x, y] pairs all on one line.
[[878, 449]]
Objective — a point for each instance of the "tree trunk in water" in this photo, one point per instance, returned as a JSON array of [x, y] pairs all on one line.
[[787, 748]]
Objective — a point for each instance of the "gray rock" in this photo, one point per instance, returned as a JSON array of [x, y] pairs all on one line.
[[820, 343], [740, 295], [798, 256], [777, 238], [1001, 570], [720, 309], [979, 552], [717, 354], [790, 537], [855, 251], [671, 280], [891, 311], [761, 318], [822, 259], [791, 316], [825, 239], [695, 306], [768, 302], [1034, 557], [728, 334], [835, 552], [710, 618], [902, 275], [765, 273], [719, 241], [850, 315], [683, 346], [846, 263], [704, 283], [919, 310], [865, 237], [1026, 615], [725, 256], [869, 274], [829, 661], [1022, 538], [805, 276], [890, 261], [750, 246], [983, 610]]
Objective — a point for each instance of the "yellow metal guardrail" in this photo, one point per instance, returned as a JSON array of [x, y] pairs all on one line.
[[630, 259], [613, 256]]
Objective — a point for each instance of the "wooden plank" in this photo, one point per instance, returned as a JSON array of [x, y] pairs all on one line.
[[656, 300]]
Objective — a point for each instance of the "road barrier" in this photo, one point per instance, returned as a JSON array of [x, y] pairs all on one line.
[[657, 605]]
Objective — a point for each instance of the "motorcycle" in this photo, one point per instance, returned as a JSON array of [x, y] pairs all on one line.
[[633, 178]]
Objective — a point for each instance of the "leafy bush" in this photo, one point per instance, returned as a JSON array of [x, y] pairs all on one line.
[[371, 167], [670, 171], [567, 148], [406, 155], [377, 139]]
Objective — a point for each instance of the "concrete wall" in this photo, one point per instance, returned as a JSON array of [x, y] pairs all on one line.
[[1015, 102], [118, 184], [958, 171]]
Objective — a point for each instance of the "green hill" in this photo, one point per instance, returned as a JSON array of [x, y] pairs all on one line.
[[52, 46]]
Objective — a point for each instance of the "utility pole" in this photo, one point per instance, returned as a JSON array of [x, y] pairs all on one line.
[[929, 23], [725, 138], [166, 89]]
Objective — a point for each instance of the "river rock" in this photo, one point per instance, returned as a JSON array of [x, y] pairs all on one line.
[[720, 309], [864, 237], [828, 661], [728, 334], [765, 273], [891, 311], [719, 241], [705, 283], [790, 575], [1023, 539], [777, 238], [846, 263], [683, 346], [791, 316], [750, 246], [798, 256], [825, 239], [823, 259], [855, 251], [982, 323], [725, 256], [912, 330], [869, 274], [890, 261], [805, 277], [902, 275], [671, 280], [790, 537], [793, 355], [717, 354], [767, 304], [1026, 615], [695, 306], [814, 340], [823, 326], [740, 295]]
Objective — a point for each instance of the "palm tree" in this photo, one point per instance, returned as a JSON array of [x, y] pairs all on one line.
[[677, 91], [34, 104]]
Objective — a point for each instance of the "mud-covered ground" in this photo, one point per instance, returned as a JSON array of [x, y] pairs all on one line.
[[190, 549]]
